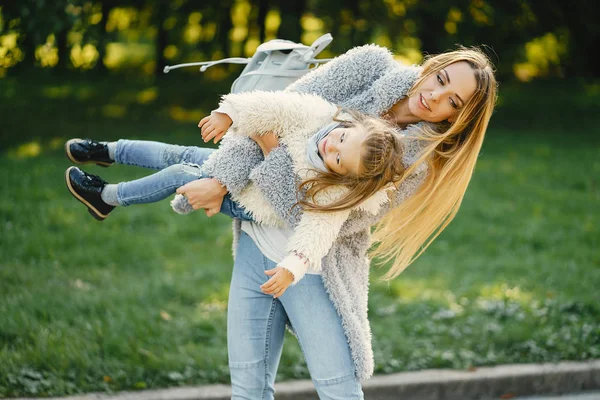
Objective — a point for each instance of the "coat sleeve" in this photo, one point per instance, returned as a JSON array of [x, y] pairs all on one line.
[[232, 162], [262, 112], [277, 171], [347, 74], [317, 231], [312, 239]]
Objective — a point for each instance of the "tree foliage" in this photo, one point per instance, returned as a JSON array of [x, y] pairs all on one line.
[[526, 38]]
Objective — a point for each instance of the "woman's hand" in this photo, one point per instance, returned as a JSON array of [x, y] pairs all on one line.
[[204, 193], [281, 278], [266, 142], [214, 126]]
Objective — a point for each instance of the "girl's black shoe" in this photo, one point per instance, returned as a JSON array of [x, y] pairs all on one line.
[[87, 188], [87, 151]]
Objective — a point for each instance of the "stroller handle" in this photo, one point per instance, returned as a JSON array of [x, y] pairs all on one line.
[[207, 64]]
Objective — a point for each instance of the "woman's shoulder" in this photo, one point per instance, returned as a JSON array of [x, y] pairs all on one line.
[[369, 50]]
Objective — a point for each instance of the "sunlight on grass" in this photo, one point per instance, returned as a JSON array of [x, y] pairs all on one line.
[[181, 114], [57, 92], [80, 285], [410, 290], [114, 110], [27, 150], [84, 93], [501, 291], [212, 306], [147, 96]]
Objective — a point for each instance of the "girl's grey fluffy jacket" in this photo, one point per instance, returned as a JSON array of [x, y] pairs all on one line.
[[366, 79]]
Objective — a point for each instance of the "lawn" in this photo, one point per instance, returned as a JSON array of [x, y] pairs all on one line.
[[139, 300]]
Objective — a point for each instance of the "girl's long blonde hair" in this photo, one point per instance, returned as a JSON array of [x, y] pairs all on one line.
[[407, 230], [380, 164]]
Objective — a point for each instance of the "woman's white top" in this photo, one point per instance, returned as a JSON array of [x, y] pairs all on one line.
[[271, 241]]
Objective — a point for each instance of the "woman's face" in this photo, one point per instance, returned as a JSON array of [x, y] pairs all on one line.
[[441, 96], [340, 150]]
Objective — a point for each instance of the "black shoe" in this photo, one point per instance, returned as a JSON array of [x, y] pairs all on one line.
[[87, 189], [86, 151]]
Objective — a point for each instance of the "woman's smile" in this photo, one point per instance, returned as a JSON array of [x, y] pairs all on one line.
[[424, 103]]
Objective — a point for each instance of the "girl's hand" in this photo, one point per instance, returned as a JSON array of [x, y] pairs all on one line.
[[214, 126], [281, 278]]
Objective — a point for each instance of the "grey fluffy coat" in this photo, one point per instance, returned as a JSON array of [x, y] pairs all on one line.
[[366, 79]]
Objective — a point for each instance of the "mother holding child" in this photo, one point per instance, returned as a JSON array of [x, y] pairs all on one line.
[[362, 141]]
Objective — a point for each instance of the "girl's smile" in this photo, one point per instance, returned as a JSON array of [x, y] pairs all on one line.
[[322, 150]]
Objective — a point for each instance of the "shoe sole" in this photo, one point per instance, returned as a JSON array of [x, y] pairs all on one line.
[[76, 161], [91, 209]]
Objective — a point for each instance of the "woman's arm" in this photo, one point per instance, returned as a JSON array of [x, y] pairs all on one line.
[[234, 175], [277, 171], [346, 74]]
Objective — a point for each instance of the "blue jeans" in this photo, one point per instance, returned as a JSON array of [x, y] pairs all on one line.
[[178, 165], [256, 327]]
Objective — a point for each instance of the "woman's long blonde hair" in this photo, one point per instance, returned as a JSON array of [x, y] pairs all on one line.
[[380, 164], [407, 230]]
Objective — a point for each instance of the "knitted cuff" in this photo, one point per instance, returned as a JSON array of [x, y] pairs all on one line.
[[224, 108], [296, 264]]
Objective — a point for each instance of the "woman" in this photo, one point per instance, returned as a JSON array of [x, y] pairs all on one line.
[[453, 91], [456, 93]]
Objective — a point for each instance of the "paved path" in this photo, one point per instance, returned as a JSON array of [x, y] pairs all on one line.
[[582, 396], [514, 382]]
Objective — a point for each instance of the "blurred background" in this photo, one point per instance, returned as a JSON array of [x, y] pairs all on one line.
[[139, 300]]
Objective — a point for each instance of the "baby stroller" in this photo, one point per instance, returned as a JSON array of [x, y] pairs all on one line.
[[275, 64]]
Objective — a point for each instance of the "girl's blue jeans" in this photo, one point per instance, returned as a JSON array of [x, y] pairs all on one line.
[[178, 165], [256, 326]]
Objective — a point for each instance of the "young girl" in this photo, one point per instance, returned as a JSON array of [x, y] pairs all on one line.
[[347, 164]]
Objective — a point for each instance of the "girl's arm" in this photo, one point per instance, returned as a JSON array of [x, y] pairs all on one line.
[[347, 74], [261, 112], [312, 239]]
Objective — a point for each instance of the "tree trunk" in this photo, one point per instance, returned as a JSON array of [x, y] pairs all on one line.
[[63, 50], [225, 25], [263, 9], [161, 37], [291, 12], [103, 40]]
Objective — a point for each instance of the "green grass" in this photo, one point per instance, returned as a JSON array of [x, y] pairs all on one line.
[[139, 300]]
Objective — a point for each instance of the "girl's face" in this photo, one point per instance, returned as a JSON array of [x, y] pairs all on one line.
[[340, 150], [441, 96]]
